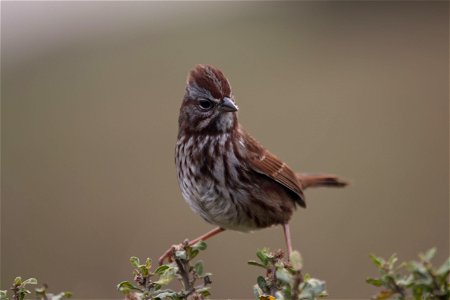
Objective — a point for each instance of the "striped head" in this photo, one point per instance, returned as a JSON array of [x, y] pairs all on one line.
[[208, 106]]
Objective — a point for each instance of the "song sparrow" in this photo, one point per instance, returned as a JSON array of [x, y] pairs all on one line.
[[225, 175]]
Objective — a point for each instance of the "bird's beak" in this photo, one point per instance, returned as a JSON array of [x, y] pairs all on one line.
[[228, 105]]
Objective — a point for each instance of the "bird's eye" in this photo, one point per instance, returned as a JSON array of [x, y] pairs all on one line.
[[205, 104]]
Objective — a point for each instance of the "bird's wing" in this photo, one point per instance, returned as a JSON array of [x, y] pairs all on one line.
[[264, 162]]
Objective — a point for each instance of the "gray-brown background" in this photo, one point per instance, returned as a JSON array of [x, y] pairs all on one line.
[[90, 97]]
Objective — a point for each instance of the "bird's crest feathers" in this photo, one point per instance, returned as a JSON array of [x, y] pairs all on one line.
[[210, 78]]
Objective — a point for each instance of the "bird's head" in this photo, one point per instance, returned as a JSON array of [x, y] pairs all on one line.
[[208, 106]]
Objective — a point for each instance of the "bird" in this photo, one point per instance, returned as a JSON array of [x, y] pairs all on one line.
[[225, 175]]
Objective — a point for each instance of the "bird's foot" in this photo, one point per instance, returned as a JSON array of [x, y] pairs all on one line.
[[168, 255]]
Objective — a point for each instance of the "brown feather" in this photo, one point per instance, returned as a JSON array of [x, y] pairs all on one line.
[[211, 79], [264, 162], [308, 180]]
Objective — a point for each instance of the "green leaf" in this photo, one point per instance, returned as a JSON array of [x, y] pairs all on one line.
[[387, 278], [181, 254], [405, 281], [378, 261], [22, 292], [148, 263], [444, 269], [161, 269], [4, 295], [312, 289], [278, 296], [134, 261], [392, 260], [18, 281], [166, 294], [262, 284], [417, 292], [255, 263], [200, 246], [428, 255], [418, 269], [125, 287], [257, 291], [143, 270], [283, 275], [263, 256], [40, 290], [306, 291], [374, 281], [317, 286], [29, 281], [324, 294], [62, 295], [198, 267], [296, 261], [204, 291], [167, 276], [192, 253]]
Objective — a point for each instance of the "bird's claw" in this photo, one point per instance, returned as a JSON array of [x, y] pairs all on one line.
[[169, 254]]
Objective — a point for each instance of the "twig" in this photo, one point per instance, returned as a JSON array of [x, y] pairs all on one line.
[[298, 279]]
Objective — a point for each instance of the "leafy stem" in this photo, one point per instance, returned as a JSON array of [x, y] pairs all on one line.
[[149, 284], [415, 279]]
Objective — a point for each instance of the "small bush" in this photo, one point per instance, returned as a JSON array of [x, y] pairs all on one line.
[[417, 280], [20, 290], [153, 284], [283, 280]]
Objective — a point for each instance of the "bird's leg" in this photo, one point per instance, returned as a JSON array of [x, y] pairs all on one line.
[[203, 237], [207, 235], [287, 238]]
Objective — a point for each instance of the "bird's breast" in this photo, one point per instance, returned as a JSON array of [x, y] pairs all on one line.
[[209, 174]]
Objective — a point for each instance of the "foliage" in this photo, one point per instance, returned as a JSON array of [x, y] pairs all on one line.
[[20, 290], [411, 280], [153, 284], [283, 279]]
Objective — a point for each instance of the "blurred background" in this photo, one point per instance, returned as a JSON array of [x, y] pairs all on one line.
[[90, 99]]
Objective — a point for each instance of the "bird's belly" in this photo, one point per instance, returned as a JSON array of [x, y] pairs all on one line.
[[214, 204], [236, 210]]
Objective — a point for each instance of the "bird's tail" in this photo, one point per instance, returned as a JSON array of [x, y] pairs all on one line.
[[326, 180]]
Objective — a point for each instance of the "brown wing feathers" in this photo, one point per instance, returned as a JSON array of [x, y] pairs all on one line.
[[264, 162], [269, 165]]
